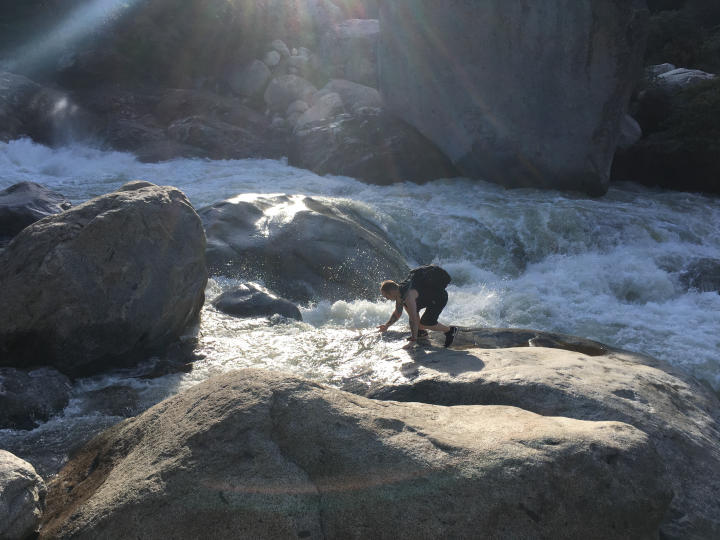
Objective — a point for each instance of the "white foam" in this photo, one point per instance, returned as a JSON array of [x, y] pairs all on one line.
[[605, 268]]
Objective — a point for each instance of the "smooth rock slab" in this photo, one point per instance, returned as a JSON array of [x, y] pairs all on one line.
[[105, 284], [255, 454], [22, 498], [681, 416]]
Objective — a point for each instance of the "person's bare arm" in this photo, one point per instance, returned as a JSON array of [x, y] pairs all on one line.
[[393, 319]]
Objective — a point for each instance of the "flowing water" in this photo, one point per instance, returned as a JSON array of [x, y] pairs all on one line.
[[608, 269]]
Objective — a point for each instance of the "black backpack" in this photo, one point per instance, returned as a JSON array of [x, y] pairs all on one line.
[[429, 276]]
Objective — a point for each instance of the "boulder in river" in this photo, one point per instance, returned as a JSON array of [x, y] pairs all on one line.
[[104, 284], [22, 498], [256, 454], [24, 203], [302, 247], [29, 397], [250, 300], [370, 145], [585, 381], [525, 94]]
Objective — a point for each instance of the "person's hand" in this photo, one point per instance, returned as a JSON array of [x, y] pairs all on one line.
[[383, 328]]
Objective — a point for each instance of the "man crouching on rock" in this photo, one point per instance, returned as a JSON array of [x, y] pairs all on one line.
[[424, 289]]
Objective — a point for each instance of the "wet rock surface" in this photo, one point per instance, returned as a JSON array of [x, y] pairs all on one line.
[[303, 248], [250, 300]]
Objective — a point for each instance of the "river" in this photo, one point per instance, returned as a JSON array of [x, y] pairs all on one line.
[[608, 269]]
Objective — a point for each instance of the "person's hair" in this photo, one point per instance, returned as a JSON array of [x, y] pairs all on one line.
[[389, 286]]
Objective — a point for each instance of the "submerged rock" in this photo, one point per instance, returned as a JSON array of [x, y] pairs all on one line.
[[103, 284], [262, 455], [526, 94], [680, 416], [24, 203], [249, 300], [22, 498], [301, 247], [702, 275], [29, 397]]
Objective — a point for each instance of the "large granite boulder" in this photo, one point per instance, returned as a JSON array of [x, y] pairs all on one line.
[[256, 454], [520, 93], [302, 247], [22, 498], [370, 145], [589, 382], [103, 284], [251, 300], [29, 397], [24, 203]]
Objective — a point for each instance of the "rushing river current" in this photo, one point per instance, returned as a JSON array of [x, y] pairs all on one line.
[[610, 269]]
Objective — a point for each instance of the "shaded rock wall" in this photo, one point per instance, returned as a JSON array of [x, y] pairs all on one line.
[[520, 93]]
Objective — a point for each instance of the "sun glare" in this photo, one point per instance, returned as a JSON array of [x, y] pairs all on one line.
[[77, 25]]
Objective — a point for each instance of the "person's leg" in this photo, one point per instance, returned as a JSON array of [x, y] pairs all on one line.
[[429, 320]]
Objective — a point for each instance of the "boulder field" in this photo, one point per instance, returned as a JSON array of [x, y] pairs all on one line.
[[256, 454], [586, 381], [527, 94], [103, 284]]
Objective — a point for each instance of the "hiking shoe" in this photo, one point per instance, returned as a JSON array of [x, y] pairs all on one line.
[[450, 335], [422, 334]]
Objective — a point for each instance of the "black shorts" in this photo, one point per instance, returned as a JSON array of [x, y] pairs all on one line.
[[433, 303]]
